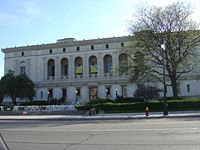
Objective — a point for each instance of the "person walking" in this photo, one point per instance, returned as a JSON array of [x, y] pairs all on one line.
[[147, 111]]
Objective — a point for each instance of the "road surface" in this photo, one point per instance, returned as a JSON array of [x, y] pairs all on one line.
[[141, 134]]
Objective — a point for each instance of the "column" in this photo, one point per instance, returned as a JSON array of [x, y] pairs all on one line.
[[100, 64], [85, 66], [16, 68], [71, 67], [28, 67], [57, 68], [44, 74], [115, 60]]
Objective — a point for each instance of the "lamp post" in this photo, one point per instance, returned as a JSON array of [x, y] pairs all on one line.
[[48, 97], [76, 96], [165, 105]]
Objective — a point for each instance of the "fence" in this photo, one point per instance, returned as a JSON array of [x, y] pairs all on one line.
[[47, 108]]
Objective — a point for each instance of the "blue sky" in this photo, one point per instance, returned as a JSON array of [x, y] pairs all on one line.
[[29, 22]]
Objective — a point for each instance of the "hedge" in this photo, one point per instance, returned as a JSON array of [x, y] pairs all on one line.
[[138, 106]]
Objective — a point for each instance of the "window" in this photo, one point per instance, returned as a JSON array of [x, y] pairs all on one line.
[[178, 87], [92, 47], [107, 64], [108, 91], [78, 92], [64, 67], [41, 95], [107, 45], [123, 64], [64, 50], [22, 54], [78, 66], [51, 68], [50, 51], [122, 44], [23, 70], [93, 65], [64, 93], [66, 70], [78, 48], [188, 88], [50, 94]]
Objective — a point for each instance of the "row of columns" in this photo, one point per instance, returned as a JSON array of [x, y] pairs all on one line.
[[115, 90]]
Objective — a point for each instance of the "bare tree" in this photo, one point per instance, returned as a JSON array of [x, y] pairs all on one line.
[[172, 26]]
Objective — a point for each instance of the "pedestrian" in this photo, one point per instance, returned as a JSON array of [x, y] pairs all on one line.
[[147, 111]]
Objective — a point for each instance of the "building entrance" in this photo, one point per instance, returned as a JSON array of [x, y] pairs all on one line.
[[93, 93]]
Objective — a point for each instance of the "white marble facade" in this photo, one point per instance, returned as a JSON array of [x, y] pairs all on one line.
[[80, 71]]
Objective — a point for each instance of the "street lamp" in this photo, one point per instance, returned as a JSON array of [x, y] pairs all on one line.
[[165, 105], [48, 97]]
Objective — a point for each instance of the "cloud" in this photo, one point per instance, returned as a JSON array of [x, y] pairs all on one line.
[[32, 9], [13, 19]]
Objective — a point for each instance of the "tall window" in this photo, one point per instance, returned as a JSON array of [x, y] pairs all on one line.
[[22, 67], [93, 65], [50, 94], [107, 92], [188, 88], [51, 68], [78, 66], [107, 64], [123, 63], [64, 67], [41, 95], [23, 70], [64, 93]]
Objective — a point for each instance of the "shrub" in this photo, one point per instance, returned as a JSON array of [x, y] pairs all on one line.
[[128, 100], [129, 105]]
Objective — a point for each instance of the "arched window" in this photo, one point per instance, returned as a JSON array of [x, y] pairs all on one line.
[[22, 67], [107, 64], [123, 63], [51, 69], [78, 66], [93, 65], [64, 68]]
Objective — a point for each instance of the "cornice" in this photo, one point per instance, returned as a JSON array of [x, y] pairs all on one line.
[[64, 43]]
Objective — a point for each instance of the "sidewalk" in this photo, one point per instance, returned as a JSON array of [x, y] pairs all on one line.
[[116, 116]]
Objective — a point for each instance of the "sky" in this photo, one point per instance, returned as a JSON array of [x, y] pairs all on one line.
[[30, 22]]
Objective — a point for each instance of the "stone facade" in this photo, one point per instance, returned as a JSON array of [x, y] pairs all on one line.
[[80, 71]]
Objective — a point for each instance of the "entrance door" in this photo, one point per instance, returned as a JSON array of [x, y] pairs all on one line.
[[93, 93]]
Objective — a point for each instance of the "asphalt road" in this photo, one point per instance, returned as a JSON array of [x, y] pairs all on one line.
[[144, 134]]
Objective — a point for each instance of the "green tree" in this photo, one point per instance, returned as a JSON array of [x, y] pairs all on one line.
[[25, 87], [172, 26], [8, 86], [19, 86], [147, 92], [1, 93]]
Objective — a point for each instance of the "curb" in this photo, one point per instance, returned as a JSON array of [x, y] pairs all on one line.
[[64, 118]]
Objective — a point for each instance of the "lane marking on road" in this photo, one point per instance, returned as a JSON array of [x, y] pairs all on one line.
[[102, 130]]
